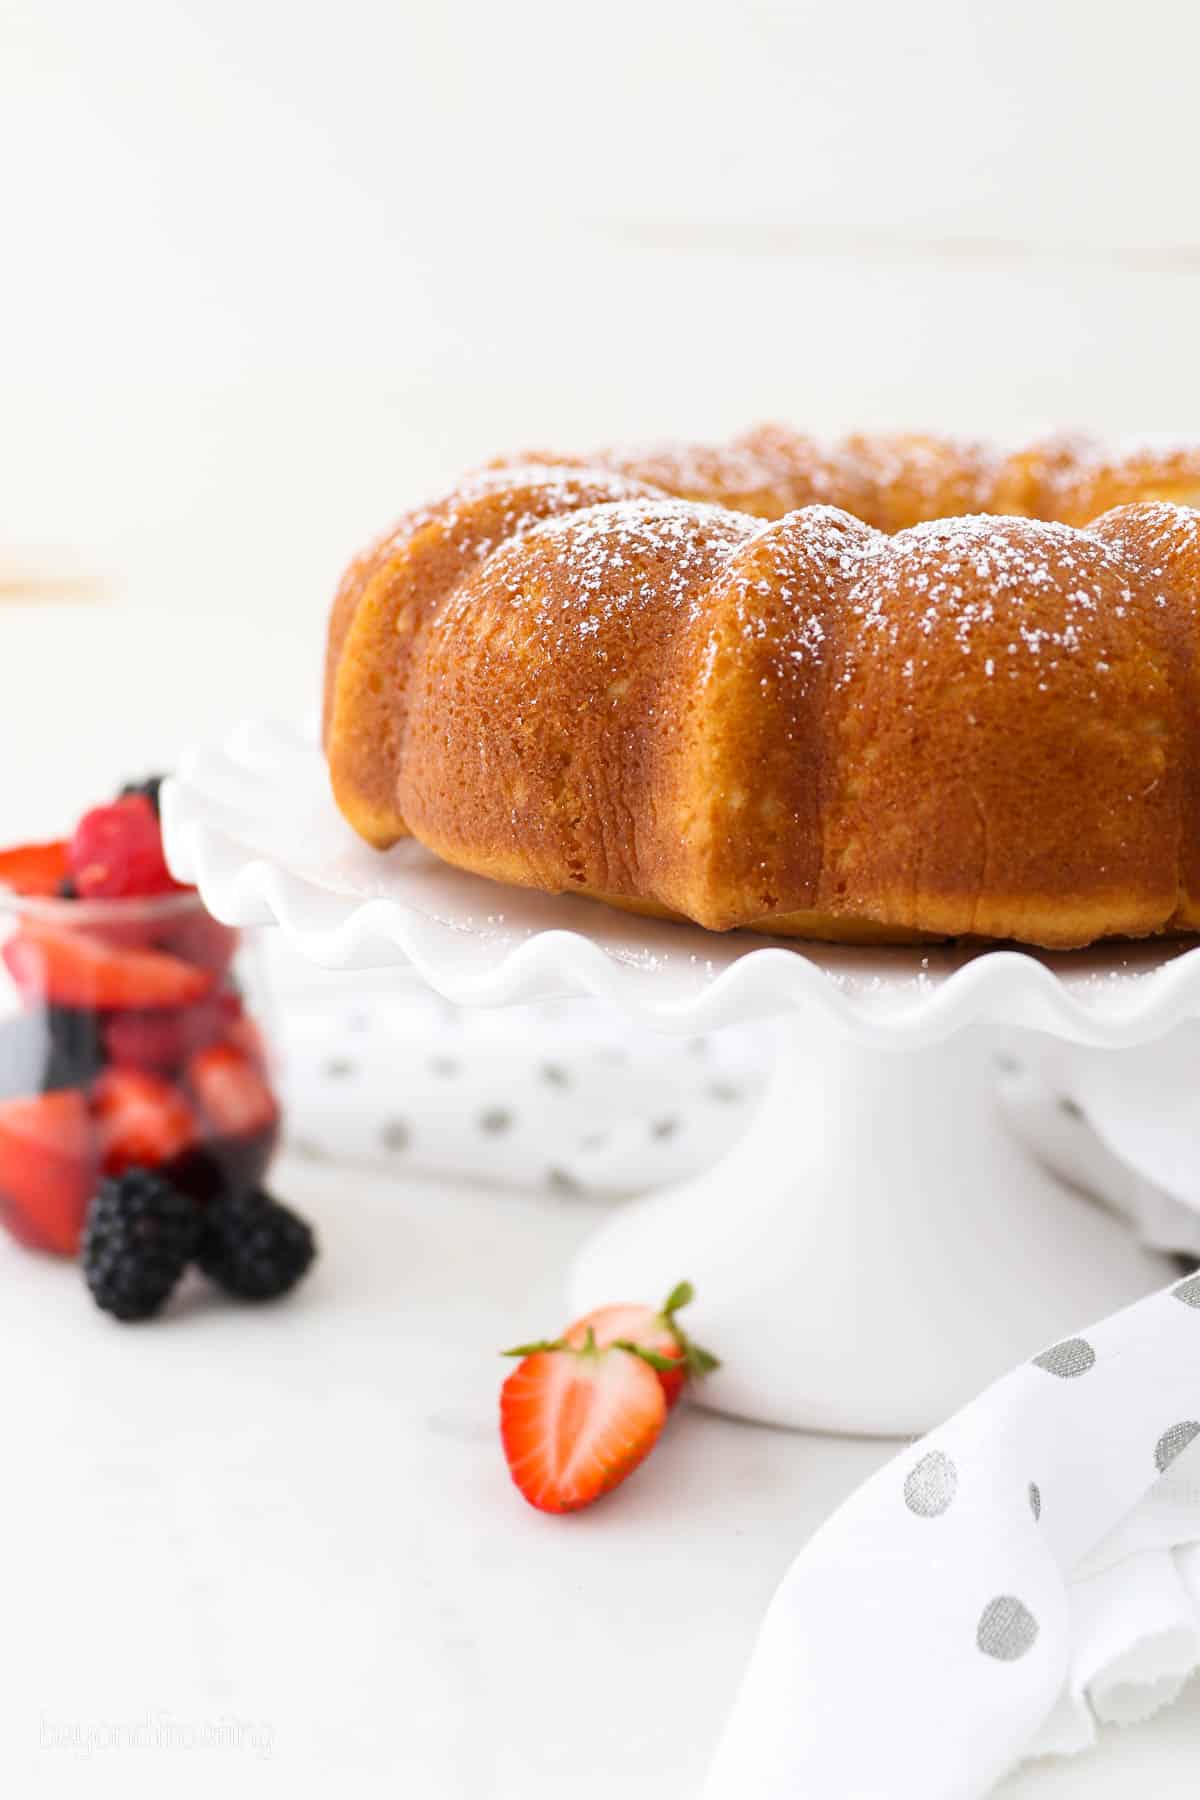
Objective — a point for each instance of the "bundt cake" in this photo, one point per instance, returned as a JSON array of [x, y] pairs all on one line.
[[897, 689]]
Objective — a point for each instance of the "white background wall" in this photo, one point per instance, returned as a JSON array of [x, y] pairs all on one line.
[[271, 268]]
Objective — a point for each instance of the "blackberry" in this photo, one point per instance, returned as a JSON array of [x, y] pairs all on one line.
[[149, 789], [138, 1240], [253, 1247]]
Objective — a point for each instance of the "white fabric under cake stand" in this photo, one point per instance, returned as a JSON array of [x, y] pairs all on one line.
[[569, 1094], [564, 1095]]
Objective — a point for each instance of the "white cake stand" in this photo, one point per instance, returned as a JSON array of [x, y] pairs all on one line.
[[878, 1247]]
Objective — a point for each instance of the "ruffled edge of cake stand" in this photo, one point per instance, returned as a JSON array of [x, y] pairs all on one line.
[[251, 822]]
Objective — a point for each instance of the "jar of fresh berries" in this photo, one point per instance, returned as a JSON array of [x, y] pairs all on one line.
[[137, 1110]]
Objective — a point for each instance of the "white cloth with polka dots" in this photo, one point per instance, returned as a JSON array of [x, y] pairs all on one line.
[[1125, 1126], [1030, 1568], [566, 1096], [569, 1096]]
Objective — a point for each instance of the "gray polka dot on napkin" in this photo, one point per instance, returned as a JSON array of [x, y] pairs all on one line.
[[931, 1486], [395, 1135], [1007, 1630], [1067, 1360], [1173, 1443]]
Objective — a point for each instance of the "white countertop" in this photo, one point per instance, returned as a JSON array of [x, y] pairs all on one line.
[[294, 1527]]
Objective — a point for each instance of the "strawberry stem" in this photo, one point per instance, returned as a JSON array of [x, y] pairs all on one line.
[[697, 1361], [536, 1349], [678, 1298], [664, 1364]]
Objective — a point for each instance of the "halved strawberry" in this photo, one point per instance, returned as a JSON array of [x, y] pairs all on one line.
[[574, 1423], [47, 1169], [36, 870], [233, 1093], [140, 1120], [678, 1360], [116, 852], [70, 968], [163, 1040]]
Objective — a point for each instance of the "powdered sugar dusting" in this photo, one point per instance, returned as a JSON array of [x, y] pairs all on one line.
[[894, 479], [520, 496], [768, 471], [1016, 593], [979, 571], [788, 583], [612, 558], [773, 470], [1164, 529]]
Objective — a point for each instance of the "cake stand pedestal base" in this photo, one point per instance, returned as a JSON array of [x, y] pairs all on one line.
[[877, 1248]]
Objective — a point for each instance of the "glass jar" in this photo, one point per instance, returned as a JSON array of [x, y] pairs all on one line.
[[129, 1037]]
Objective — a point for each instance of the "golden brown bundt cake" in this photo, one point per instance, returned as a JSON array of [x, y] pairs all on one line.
[[888, 480], [1075, 479], [385, 599], [573, 680], [895, 479], [1163, 540]]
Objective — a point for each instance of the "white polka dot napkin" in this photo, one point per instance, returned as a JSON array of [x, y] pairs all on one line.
[[562, 1097], [568, 1096], [1030, 1568], [1125, 1126]]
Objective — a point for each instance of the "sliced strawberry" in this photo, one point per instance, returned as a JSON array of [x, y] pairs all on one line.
[[657, 1333], [163, 1040], [116, 852], [642, 1326], [118, 924], [70, 968], [37, 870], [574, 1423], [199, 938], [233, 1093], [47, 1169], [140, 1119]]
